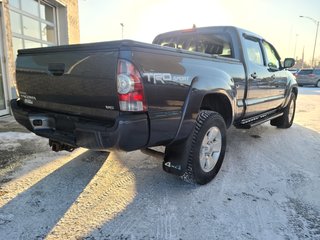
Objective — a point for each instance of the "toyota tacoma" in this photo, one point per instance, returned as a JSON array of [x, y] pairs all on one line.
[[182, 92]]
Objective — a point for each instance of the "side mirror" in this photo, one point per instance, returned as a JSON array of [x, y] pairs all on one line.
[[289, 62]]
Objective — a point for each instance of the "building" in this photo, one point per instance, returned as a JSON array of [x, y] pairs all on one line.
[[29, 24]]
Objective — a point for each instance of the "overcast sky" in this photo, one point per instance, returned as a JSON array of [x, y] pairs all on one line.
[[276, 20]]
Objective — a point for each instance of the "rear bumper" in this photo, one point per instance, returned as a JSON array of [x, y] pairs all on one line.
[[126, 132]]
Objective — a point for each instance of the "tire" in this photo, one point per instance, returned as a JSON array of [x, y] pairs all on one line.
[[318, 84], [207, 149], [286, 120]]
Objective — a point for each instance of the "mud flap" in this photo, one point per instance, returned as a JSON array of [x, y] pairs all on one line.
[[176, 157]]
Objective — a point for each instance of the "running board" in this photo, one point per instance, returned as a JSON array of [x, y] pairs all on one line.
[[257, 120]]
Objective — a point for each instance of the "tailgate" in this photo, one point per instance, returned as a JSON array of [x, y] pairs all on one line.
[[71, 80]]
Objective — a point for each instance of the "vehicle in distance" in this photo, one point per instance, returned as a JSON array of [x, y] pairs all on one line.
[[294, 71], [308, 76], [182, 92]]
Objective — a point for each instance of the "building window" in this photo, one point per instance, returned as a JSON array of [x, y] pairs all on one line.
[[33, 24]]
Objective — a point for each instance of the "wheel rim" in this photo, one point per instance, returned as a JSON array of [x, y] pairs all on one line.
[[291, 110], [318, 84], [210, 149]]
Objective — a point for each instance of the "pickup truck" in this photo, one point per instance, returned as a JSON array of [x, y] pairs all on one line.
[[181, 92]]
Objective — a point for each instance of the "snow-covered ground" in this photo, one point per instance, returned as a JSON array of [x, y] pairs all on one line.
[[268, 188]]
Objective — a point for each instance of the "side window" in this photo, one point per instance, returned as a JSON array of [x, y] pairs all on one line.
[[254, 51], [272, 59], [317, 72]]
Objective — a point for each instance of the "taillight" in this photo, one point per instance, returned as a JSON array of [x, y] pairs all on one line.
[[130, 88]]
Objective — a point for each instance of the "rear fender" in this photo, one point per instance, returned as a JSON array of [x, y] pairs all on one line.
[[176, 156], [221, 84]]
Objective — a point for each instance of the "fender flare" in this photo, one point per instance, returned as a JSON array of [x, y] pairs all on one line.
[[292, 88], [196, 95]]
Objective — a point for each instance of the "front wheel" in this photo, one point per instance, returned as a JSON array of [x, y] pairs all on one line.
[[207, 149], [318, 84], [286, 120]]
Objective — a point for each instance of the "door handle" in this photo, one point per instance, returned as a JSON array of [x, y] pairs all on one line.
[[254, 75]]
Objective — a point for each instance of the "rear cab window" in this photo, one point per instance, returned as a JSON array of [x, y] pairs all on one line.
[[211, 43]]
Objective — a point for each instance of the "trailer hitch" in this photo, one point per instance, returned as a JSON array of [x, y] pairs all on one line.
[[57, 146]]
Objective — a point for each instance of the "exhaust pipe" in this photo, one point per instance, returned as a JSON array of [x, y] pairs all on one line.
[[57, 146]]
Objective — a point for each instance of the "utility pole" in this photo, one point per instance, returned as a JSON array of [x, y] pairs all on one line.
[[302, 59], [315, 41], [295, 47], [122, 26]]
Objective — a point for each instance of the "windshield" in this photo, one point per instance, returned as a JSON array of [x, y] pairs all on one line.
[[216, 43]]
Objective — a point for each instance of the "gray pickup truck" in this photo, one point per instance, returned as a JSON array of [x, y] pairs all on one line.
[[182, 92]]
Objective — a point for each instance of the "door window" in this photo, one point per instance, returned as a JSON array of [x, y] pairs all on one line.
[[305, 71], [271, 56], [254, 52], [317, 72]]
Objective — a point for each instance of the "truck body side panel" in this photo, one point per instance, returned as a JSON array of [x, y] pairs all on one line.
[[167, 80]]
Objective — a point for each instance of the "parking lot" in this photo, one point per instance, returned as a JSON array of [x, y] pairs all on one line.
[[268, 188]]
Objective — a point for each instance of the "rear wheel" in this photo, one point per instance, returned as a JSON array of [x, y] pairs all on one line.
[[286, 120], [318, 84], [207, 149]]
